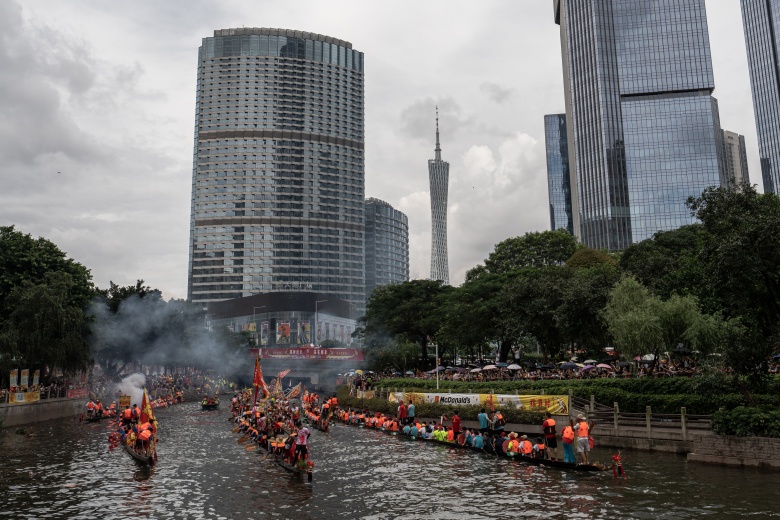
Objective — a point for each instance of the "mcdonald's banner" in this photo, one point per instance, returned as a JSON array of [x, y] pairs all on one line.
[[24, 397], [555, 404]]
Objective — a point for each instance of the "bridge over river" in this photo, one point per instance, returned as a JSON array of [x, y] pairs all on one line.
[[65, 470]]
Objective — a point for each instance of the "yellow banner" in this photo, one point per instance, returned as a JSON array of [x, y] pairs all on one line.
[[124, 400], [555, 404], [24, 397]]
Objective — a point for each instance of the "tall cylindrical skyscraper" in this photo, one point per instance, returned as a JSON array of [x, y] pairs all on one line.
[[439, 176], [278, 166]]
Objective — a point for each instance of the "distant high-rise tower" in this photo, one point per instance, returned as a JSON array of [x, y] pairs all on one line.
[[761, 19], [278, 166], [642, 121], [558, 174], [736, 158], [439, 175], [387, 245]]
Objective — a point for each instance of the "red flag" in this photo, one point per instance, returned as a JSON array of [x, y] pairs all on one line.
[[259, 382], [283, 373]]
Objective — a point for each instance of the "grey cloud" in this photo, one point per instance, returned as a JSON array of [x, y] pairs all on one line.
[[418, 120], [497, 93]]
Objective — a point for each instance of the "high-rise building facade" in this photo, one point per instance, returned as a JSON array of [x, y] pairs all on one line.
[[556, 143], [387, 245], [735, 155], [643, 124], [439, 177], [761, 20], [278, 166]]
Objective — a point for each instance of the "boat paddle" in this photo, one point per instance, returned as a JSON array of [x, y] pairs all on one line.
[[251, 448], [235, 430], [243, 439]]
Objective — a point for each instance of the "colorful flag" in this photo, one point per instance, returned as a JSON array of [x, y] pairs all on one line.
[[296, 391], [283, 373], [147, 414], [14, 378], [258, 381]]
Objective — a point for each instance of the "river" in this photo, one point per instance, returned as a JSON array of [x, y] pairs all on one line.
[[65, 470]]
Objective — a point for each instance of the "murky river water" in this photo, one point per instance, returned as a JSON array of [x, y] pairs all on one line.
[[66, 471]]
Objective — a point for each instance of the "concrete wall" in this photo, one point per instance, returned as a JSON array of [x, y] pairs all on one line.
[[46, 410], [736, 451]]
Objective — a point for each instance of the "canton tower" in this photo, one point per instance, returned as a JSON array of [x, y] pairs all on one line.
[[439, 175]]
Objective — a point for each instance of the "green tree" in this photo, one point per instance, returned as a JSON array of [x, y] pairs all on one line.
[[534, 249], [671, 263], [531, 301], [45, 328], [584, 296], [586, 257], [412, 310], [642, 323], [25, 259], [741, 255]]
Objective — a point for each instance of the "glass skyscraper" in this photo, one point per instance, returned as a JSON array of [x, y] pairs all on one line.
[[387, 245], [645, 128], [736, 158], [558, 181], [278, 166], [761, 19]]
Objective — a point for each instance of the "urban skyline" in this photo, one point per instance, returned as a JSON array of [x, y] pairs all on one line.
[[387, 245], [439, 179], [121, 203]]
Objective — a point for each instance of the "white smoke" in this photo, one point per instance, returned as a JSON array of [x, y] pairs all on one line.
[[133, 385]]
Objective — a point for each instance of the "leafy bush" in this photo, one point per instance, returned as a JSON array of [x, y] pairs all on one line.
[[744, 422]]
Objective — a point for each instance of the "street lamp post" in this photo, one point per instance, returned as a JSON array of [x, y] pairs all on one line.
[[437, 365], [254, 320], [316, 316]]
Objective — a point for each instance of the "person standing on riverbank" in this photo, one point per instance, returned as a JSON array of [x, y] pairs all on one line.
[[483, 421], [410, 413], [402, 413]]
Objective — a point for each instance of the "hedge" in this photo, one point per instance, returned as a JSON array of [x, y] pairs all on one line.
[[743, 421], [699, 395], [467, 413]]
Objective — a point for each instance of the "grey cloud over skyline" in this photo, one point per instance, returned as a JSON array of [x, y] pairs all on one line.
[[105, 94]]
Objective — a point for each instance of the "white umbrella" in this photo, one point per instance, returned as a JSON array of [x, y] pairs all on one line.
[[489, 367], [475, 370], [590, 361], [514, 367]]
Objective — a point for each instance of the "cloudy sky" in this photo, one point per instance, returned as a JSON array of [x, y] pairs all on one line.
[[97, 114]]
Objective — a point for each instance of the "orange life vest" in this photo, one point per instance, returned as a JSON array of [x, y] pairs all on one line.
[[568, 435], [549, 427], [583, 430], [90, 405], [127, 414], [145, 435], [526, 447]]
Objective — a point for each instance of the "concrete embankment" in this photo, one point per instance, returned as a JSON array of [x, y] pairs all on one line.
[[46, 410]]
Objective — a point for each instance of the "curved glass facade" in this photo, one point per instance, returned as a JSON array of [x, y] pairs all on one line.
[[278, 175], [761, 19], [387, 245]]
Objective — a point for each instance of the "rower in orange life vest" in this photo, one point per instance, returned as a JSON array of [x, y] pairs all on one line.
[[99, 408], [550, 439], [582, 429], [127, 415], [90, 408], [136, 413]]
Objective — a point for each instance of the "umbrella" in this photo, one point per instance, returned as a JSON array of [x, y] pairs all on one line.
[[461, 370], [590, 361], [514, 367], [569, 366], [475, 370], [502, 365], [450, 368], [604, 365], [489, 367], [776, 356], [624, 364], [409, 373], [648, 357], [588, 367], [359, 372], [609, 360]]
